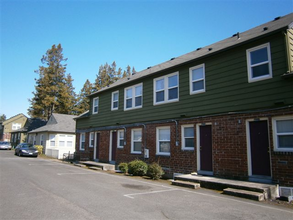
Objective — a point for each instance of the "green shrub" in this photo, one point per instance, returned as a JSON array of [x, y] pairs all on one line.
[[155, 171], [137, 168], [123, 167], [39, 148]]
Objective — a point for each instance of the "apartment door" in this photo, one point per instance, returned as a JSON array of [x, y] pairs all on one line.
[[114, 145], [97, 146], [205, 149], [259, 148]]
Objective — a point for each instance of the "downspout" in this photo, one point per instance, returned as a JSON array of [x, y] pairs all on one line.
[[146, 155], [124, 142]]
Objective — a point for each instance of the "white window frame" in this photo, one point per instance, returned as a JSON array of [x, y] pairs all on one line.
[[15, 126], [249, 65], [52, 138], [62, 139], [92, 139], [132, 141], [183, 137], [166, 89], [158, 141], [82, 140], [275, 133], [192, 81], [120, 139], [112, 101], [133, 96], [96, 106], [69, 140]]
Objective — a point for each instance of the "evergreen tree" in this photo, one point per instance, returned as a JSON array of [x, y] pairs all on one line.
[[52, 86], [83, 99], [2, 117]]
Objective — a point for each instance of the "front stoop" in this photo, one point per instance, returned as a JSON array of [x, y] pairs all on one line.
[[244, 194], [269, 191], [98, 166], [185, 184]]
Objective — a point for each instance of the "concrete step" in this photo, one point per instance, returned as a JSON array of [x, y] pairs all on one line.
[[95, 168], [244, 194], [185, 184], [103, 166], [269, 191]]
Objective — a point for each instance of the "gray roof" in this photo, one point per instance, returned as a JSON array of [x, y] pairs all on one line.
[[239, 38], [58, 123]]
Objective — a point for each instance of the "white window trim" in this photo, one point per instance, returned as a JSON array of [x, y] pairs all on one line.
[[50, 139], [157, 142], [96, 112], [249, 66], [80, 141], [275, 136], [90, 139], [112, 101], [166, 89], [191, 82], [183, 138], [118, 138], [132, 141], [133, 97]]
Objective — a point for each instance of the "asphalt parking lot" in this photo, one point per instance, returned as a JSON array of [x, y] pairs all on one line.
[[35, 188]]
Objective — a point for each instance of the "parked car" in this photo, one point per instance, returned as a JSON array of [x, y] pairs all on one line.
[[4, 145], [25, 149]]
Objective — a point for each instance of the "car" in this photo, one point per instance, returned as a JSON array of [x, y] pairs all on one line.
[[25, 149], [5, 145]]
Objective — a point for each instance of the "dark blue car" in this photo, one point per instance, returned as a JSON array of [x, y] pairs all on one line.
[[25, 149]]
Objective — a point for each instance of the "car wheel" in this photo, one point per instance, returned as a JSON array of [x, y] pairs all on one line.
[[19, 154]]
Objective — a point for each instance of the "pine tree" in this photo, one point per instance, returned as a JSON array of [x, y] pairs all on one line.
[[52, 86], [83, 99]]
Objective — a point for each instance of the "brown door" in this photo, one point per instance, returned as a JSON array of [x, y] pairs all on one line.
[[114, 145], [259, 148], [206, 161], [97, 146]]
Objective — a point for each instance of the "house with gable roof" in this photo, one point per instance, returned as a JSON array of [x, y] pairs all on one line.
[[57, 136], [224, 110], [13, 124]]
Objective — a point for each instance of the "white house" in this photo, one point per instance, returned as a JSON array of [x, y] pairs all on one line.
[[57, 136]]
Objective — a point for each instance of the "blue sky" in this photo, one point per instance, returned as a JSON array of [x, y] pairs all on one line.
[[139, 33]]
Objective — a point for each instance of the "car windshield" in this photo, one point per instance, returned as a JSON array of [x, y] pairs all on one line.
[[27, 146], [3, 142]]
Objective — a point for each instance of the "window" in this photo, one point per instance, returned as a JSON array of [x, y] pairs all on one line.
[[283, 133], [69, 141], [133, 97], [120, 139], [82, 141], [92, 139], [61, 140], [136, 137], [52, 140], [16, 126], [95, 105], [187, 132], [166, 89], [197, 79], [163, 141], [42, 139], [259, 63], [115, 97]]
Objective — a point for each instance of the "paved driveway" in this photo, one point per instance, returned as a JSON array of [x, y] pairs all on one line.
[[33, 188]]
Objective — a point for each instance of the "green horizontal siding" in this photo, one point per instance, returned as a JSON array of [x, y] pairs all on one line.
[[227, 89]]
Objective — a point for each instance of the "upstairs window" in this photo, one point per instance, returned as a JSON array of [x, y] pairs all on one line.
[[16, 126], [259, 63], [115, 97], [166, 89], [283, 133], [197, 79], [95, 105], [133, 97]]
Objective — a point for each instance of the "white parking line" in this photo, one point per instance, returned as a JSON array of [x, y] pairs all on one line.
[[145, 193]]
